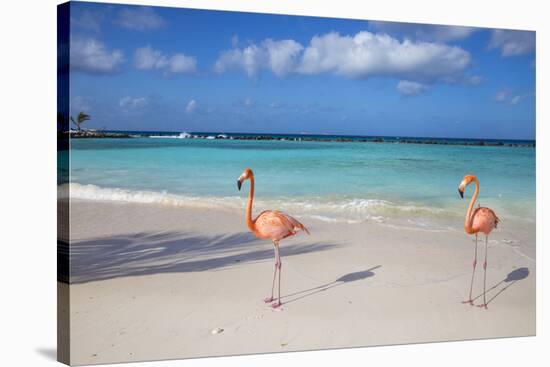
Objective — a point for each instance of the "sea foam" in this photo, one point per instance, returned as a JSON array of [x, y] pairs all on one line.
[[354, 210]]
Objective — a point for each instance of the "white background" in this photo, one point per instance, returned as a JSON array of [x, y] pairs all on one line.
[[28, 182]]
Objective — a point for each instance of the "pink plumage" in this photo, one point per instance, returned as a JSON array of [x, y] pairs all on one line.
[[484, 220], [277, 225]]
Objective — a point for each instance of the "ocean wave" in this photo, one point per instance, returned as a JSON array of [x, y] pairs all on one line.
[[348, 210], [179, 136], [96, 193]]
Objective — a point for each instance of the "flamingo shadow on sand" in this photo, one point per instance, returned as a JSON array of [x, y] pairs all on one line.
[[511, 279], [347, 278]]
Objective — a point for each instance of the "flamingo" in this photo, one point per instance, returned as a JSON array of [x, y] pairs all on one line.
[[269, 224], [482, 220]]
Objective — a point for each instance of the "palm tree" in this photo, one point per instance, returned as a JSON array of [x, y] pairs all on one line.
[[80, 119]]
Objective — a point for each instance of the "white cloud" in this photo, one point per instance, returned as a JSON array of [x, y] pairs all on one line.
[[424, 32], [139, 18], [191, 106], [278, 56], [409, 88], [249, 59], [133, 103], [473, 79], [367, 54], [92, 56], [512, 43], [180, 63], [516, 99], [146, 58], [234, 40], [248, 102], [282, 55], [362, 55], [505, 95], [502, 95]]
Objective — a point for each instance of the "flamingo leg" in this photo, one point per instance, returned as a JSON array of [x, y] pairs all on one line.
[[278, 265], [485, 275], [470, 301], [270, 299]]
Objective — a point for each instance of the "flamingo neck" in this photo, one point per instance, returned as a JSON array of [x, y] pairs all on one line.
[[469, 214], [249, 222]]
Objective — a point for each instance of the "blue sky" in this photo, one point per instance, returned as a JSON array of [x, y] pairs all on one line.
[[170, 69]]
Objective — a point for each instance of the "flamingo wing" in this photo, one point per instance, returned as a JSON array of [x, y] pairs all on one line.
[[485, 220], [277, 225]]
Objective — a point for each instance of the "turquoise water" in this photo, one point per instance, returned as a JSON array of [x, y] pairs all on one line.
[[413, 183]]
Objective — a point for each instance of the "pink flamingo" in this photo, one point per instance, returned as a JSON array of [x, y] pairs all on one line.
[[271, 224], [479, 220]]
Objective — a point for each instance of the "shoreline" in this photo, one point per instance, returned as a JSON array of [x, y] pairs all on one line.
[[413, 215], [153, 282]]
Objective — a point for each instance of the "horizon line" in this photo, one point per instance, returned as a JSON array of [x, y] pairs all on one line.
[[319, 134]]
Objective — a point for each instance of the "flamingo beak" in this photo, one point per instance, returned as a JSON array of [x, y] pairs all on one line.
[[461, 193], [239, 184]]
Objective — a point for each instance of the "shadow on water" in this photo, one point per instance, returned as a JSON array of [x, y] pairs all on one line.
[[351, 277], [511, 279], [171, 252]]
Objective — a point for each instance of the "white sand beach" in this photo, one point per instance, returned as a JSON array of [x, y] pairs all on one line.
[[152, 282]]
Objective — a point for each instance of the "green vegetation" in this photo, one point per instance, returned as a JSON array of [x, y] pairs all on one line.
[[80, 119]]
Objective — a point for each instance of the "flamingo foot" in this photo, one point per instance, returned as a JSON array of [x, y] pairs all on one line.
[[268, 299], [471, 302], [483, 305], [276, 304]]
